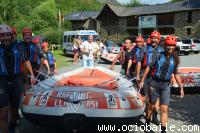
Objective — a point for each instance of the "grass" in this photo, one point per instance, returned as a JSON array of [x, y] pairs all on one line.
[[61, 60]]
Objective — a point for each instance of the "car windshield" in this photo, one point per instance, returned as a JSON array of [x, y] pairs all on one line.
[[196, 41], [187, 41]]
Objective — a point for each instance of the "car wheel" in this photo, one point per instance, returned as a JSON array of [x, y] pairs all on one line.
[[196, 52], [177, 51], [186, 53], [64, 52]]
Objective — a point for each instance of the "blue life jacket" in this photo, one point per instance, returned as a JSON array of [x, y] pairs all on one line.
[[138, 55], [151, 55], [18, 54], [50, 58], [162, 69], [33, 53]]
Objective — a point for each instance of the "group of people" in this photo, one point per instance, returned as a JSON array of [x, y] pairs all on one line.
[[89, 50], [153, 66], [19, 60]]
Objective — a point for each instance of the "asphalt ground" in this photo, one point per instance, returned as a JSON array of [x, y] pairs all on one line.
[[184, 113]]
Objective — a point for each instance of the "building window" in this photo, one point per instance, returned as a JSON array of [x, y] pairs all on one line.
[[189, 17], [165, 19], [132, 21], [189, 31]]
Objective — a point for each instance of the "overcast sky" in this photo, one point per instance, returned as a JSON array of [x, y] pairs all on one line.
[[146, 1]]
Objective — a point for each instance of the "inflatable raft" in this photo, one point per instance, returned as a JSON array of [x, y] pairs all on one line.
[[108, 57], [83, 96], [190, 77]]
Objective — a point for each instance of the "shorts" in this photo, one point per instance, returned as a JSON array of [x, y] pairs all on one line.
[[76, 51], [159, 90], [11, 88]]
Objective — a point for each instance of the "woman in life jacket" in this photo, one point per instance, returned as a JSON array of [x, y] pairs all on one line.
[[165, 65]]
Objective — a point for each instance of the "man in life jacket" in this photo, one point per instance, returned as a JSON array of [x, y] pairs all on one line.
[[150, 56], [12, 55], [134, 64], [124, 56], [35, 54], [50, 58]]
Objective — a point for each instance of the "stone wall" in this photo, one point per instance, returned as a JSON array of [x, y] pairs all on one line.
[[181, 24], [114, 29]]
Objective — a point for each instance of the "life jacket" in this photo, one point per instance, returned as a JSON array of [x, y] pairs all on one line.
[[50, 58], [148, 55], [160, 64], [17, 54], [136, 55], [33, 53]]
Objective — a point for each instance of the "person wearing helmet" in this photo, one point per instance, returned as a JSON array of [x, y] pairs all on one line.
[[124, 56], [14, 35], [165, 65], [12, 55], [151, 52], [134, 64], [50, 58], [36, 40], [148, 41], [35, 54]]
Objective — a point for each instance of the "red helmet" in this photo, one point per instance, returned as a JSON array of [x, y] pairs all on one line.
[[170, 40], [5, 29], [149, 40], [14, 30], [44, 44], [139, 39], [26, 30], [36, 40], [155, 34]]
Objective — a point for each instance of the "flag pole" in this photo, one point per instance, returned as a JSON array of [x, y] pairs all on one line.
[[59, 24]]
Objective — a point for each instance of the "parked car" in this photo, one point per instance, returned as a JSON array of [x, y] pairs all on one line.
[[112, 47], [183, 46], [195, 45]]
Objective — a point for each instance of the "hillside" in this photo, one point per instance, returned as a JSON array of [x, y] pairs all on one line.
[[42, 15], [109, 1]]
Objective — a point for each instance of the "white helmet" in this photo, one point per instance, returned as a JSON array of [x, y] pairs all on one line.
[[5, 28]]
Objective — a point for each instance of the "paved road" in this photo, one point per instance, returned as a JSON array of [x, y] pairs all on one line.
[[182, 112], [192, 60]]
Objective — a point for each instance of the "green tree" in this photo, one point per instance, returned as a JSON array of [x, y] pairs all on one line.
[[41, 15], [175, 0], [133, 3], [7, 10]]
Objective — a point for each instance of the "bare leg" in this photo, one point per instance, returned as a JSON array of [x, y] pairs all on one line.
[[164, 116], [155, 113]]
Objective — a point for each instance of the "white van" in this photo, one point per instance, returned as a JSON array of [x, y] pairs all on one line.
[[70, 35]]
